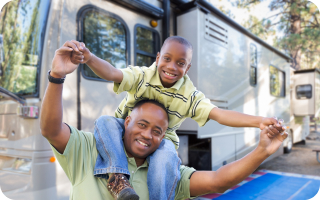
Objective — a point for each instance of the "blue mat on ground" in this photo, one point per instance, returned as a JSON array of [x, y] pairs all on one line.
[[275, 187]]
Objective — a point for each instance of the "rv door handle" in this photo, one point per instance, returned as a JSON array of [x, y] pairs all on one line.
[[31, 112]]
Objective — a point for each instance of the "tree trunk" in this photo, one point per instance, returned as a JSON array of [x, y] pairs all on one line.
[[295, 28]]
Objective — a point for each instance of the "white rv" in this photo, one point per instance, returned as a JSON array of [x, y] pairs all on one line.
[[232, 67], [305, 103]]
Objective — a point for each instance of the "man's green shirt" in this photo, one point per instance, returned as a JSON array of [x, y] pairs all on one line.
[[78, 161]]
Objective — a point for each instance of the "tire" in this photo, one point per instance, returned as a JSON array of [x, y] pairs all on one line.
[[288, 148]]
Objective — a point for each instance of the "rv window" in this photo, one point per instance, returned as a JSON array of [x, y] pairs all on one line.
[[304, 91], [22, 26], [253, 65], [277, 82], [146, 45], [106, 37]]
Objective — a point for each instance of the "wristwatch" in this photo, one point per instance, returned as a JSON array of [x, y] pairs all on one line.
[[55, 80]]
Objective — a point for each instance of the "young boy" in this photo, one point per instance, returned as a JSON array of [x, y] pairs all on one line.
[[165, 81]]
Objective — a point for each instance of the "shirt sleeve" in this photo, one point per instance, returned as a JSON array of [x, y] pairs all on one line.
[[132, 77], [200, 108], [183, 187], [75, 158]]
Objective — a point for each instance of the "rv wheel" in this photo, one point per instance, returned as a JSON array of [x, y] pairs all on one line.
[[288, 148]]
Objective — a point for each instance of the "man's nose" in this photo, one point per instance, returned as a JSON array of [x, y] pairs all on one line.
[[146, 134]]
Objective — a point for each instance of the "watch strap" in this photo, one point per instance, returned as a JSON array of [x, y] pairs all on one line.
[[55, 80]]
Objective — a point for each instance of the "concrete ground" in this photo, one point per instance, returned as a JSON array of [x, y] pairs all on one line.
[[301, 160]]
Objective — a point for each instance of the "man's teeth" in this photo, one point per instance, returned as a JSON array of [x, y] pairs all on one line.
[[168, 74], [142, 143]]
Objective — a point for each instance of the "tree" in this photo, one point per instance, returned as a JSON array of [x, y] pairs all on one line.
[[297, 20]]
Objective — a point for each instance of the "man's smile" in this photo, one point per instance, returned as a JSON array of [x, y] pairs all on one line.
[[142, 143]]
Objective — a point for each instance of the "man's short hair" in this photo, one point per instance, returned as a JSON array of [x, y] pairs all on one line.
[[179, 39], [140, 103]]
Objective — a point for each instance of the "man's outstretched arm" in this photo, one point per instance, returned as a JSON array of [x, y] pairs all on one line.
[[203, 182], [51, 125]]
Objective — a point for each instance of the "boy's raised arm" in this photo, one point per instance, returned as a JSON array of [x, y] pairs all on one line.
[[237, 119], [203, 182], [99, 66]]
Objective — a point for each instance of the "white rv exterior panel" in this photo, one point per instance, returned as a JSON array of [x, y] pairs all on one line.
[[223, 154], [316, 94], [304, 106], [220, 69], [224, 72]]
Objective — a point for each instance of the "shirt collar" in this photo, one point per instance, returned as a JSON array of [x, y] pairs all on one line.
[[133, 161], [155, 80]]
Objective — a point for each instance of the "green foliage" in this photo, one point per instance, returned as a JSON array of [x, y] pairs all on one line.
[[297, 21], [19, 27], [275, 84], [105, 36]]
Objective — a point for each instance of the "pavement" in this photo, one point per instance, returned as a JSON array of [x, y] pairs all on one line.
[[293, 176], [301, 160]]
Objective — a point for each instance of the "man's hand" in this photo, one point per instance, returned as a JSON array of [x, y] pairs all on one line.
[[203, 182], [83, 56], [270, 144], [272, 125], [61, 63]]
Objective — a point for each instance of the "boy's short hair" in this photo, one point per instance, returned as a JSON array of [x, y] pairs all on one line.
[[140, 103], [179, 39]]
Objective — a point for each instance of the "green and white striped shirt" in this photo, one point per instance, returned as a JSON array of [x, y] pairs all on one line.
[[182, 100]]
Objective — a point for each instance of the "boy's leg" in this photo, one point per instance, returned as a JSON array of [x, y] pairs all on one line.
[[108, 133], [163, 171], [112, 161]]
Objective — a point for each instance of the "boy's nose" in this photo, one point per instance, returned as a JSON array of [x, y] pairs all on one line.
[[171, 66]]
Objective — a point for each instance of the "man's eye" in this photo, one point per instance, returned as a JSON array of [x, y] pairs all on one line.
[[157, 132], [142, 125], [166, 58]]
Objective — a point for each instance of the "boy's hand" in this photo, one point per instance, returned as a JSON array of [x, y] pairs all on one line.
[[81, 56], [271, 144], [272, 125]]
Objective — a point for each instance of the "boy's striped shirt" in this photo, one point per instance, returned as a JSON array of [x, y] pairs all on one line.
[[182, 100]]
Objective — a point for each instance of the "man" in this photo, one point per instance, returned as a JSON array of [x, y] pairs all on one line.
[[76, 150]]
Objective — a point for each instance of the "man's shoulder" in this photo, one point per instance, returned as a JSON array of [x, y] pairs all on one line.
[[81, 134], [79, 139]]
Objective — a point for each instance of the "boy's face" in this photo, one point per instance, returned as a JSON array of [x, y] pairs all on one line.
[[173, 62]]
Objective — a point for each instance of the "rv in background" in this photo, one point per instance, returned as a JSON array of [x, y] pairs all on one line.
[[305, 102], [233, 68]]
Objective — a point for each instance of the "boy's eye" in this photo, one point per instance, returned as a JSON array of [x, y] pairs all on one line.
[[181, 63], [166, 58]]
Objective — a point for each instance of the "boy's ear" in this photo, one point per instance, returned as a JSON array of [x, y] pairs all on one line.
[[187, 69], [158, 57]]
